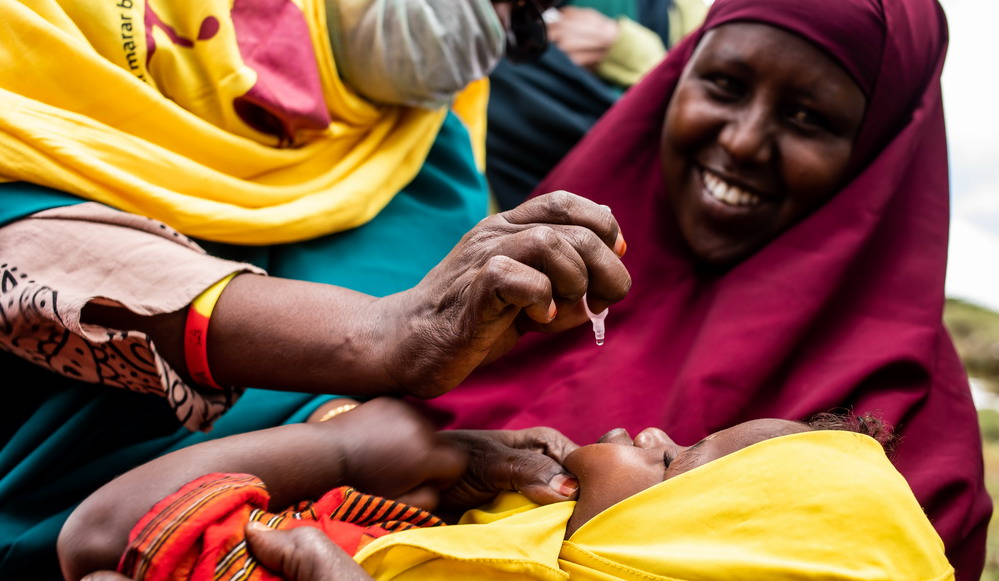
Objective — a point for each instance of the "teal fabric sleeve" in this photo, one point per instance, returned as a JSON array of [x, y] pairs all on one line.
[[20, 199], [62, 439]]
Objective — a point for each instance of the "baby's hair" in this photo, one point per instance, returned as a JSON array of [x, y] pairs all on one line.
[[867, 424]]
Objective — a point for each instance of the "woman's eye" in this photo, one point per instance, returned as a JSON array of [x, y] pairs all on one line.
[[806, 118], [725, 85]]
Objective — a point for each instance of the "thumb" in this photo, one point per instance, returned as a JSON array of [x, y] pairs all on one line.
[[302, 554], [105, 576], [541, 479]]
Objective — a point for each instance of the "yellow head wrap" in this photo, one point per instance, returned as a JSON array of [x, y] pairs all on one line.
[[816, 505], [87, 108]]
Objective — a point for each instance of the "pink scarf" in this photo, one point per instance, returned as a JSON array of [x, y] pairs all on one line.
[[842, 310]]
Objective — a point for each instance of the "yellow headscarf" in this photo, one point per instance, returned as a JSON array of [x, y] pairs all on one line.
[[83, 110], [816, 505]]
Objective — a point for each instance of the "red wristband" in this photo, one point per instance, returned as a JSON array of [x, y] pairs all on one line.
[[199, 313]]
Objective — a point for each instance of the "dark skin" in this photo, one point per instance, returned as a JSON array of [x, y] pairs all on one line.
[[762, 119], [302, 554], [524, 270], [617, 467], [758, 134], [519, 271], [382, 447], [614, 468], [515, 272]]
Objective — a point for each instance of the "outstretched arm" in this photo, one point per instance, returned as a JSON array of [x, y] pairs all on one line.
[[518, 271]]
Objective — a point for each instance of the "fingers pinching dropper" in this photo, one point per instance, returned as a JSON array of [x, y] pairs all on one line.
[[598, 319]]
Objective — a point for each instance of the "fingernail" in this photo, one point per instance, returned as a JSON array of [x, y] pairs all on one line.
[[552, 311], [564, 485], [620, 246], [258, 526]]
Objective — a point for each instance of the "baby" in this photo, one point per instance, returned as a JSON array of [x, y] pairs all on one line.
[[767, 498]]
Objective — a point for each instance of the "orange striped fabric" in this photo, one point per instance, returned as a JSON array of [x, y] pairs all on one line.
[[197, 533]]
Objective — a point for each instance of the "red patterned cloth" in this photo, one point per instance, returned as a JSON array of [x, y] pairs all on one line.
[[197, 533]]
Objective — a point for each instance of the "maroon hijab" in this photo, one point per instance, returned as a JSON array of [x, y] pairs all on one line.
[[842, 310]]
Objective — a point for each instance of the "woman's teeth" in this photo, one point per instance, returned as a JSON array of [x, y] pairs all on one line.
[[727, 193]]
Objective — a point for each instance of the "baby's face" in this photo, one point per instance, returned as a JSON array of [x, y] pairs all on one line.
[[617, 467]]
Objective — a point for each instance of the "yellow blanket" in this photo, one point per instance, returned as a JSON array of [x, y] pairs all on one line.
[[225, 119], [816, 505]]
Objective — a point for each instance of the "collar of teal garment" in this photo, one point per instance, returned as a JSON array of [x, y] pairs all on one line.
[[20, 199]]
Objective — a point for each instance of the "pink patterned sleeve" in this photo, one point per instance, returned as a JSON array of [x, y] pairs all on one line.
[[54, 262]]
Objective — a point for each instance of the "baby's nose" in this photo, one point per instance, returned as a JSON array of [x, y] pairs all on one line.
[[616, 436], [653, 438]]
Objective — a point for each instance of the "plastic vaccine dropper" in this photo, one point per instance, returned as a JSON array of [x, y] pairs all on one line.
[[598, 322]]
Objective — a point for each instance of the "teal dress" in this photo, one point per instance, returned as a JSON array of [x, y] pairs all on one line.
[[62, 439]]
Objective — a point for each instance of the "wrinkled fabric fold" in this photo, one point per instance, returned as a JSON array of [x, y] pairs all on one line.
[[226, 121]]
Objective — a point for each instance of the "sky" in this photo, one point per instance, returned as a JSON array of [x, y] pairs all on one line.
[[971, 106]]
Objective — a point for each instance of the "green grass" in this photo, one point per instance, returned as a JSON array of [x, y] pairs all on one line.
[[976, 335], [992, 483]]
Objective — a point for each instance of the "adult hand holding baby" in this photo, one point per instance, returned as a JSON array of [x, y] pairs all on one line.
[[403, 457], [302, 554]]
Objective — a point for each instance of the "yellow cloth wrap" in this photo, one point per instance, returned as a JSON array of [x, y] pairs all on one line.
[[470, 107], [81, 112], [816, 505]]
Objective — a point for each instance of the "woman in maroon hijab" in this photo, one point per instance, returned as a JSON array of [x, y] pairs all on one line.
[[782, 184]]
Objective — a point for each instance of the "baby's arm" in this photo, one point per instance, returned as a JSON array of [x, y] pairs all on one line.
[[381, 447]]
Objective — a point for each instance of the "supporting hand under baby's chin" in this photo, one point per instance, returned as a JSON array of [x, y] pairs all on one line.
[[526, 461]]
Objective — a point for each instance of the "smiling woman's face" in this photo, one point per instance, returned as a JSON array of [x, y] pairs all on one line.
[[759, 132], [617, 467]]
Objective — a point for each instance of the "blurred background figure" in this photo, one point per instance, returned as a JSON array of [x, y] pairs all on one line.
[[598, 49]]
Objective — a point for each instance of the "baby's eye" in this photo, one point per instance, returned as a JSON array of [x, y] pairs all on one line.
[[667, 458]]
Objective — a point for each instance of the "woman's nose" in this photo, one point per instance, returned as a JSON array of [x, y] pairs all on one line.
[[747, 137]]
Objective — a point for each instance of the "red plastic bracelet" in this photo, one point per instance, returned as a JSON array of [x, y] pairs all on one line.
[[196, 333]]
